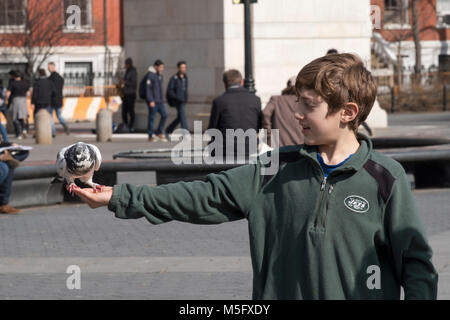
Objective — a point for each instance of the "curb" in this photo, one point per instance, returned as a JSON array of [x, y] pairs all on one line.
[[425, 166]]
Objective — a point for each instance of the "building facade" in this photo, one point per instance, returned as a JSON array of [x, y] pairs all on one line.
[[79, 36], [209, 35], [396, 32]]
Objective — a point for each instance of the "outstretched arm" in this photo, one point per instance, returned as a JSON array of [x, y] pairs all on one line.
[[225, 196]]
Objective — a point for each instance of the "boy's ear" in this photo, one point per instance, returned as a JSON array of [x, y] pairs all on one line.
[[349, 112]]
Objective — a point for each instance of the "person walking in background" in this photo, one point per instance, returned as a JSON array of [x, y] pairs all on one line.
[[12, 77], [17, 98], [177, 96], [3, 109], [129, 86], [57, 100], [237, 108], [43, 92], [332, 51], [154, 98], [279, 113]]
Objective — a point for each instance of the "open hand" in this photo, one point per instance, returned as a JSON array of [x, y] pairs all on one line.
[[94, 198]]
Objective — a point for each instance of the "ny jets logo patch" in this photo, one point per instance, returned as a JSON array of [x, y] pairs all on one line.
[[357, 204]]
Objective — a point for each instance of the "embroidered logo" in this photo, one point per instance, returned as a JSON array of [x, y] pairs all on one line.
[[357, 204]]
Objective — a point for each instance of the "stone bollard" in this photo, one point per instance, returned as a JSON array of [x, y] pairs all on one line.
[[43, 125], [104, 125]]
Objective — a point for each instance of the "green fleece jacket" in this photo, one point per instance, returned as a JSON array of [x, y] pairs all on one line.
[[354, 235]]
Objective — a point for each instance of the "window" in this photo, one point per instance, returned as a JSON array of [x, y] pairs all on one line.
[[78, 74], [84, 11], [12, 13], [6, 67], [443, 13], [396, 13]]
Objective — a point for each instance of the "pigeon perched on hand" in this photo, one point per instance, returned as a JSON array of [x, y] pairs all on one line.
[[78, 161]]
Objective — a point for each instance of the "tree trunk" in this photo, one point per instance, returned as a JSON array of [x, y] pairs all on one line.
[[417, 45], [399, 65]]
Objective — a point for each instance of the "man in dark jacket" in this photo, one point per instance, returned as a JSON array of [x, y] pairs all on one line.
[[57, 101], [155, 101], [129, 86], [43, 94], [177, 96], [237, 108]]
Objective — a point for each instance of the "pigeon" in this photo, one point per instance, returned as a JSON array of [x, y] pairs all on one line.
[[78, 161]]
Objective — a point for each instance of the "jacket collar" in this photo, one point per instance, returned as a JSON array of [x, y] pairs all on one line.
[[355, 163], [236, 89]]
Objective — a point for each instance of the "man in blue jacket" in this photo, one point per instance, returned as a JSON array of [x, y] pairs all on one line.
[[154, 98], [177, 96]]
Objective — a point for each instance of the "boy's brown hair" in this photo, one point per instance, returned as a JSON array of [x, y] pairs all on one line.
[[339, 79]]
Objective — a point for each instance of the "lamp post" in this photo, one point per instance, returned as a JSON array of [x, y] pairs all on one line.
[[249, 82]]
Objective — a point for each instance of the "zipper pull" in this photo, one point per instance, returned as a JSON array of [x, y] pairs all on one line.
[[330, 190], [324, 182]]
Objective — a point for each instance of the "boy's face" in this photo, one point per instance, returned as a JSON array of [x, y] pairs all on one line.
[[317, 127]]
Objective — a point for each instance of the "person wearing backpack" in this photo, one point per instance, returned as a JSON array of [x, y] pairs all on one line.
[[177, 96], [152, 83]]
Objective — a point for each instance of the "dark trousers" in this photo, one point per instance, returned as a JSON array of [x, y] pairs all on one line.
[[128, 109], [7, 176], [19, 126], [161, 109], [181, 118], [3, 109]]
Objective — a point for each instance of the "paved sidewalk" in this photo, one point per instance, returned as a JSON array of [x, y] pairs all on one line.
[[135, 260], [132, 259]]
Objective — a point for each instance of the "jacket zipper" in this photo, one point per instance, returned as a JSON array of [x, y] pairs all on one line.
[[322, 188], [330, 190]]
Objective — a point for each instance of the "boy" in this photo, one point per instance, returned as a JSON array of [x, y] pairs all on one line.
[[338, 219]]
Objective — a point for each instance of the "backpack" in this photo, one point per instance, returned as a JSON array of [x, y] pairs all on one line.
[[171, 102], [122, 128], [142, 87]]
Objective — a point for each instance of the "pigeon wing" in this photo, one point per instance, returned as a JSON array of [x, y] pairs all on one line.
[[98, 157], [61, 168]]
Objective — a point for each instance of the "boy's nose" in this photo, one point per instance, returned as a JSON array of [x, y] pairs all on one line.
[[299, 116]]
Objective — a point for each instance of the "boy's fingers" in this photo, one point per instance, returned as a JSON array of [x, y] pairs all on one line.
[[86, 195], [93, 198]]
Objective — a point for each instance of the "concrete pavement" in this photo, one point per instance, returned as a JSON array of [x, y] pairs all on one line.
[[135, 260], [132, 259]]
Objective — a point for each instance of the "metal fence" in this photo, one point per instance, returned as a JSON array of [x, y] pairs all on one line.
[[427, 92], [415, 100], [91, 84], [85, 84]]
